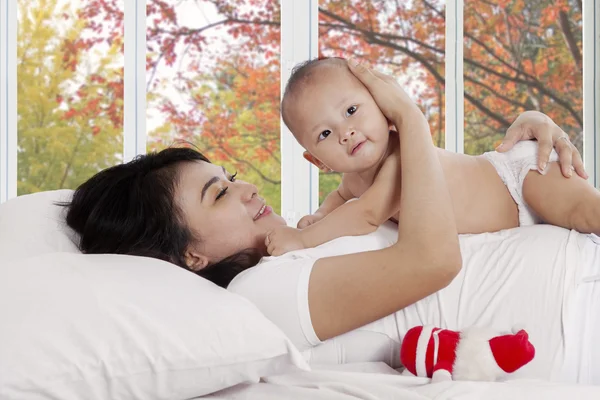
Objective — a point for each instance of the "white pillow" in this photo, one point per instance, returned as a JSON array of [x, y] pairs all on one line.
[[76, 326], [33, 224], [113, 327]]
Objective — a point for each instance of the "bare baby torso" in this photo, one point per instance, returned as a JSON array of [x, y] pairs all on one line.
[[481, 201]]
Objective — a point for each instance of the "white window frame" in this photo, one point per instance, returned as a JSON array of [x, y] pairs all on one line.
[[8, 100], [455, 89], [134, 96], [299, 42], [591, 90]]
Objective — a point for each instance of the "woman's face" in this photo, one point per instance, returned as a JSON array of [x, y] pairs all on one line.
[[225, 214]]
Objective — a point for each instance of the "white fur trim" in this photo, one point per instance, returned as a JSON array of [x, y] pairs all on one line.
[[422, 343], [441, 375], [474, 358], [436, 345]]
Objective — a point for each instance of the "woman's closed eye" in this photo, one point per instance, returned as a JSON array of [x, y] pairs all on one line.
[[350, 110], [223, 190]]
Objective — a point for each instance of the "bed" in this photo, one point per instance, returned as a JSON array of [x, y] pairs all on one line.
[[101, 327], [378, 381]]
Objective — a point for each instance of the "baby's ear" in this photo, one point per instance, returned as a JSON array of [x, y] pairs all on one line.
[[316, 162]]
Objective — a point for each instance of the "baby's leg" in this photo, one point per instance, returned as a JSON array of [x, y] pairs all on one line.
[[568, 202]]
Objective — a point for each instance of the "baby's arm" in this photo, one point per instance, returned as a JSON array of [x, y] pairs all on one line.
[[568, 202], [333, 200], [380, 202]]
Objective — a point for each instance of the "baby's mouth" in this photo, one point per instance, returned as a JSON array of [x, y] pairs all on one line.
[[357, 147]]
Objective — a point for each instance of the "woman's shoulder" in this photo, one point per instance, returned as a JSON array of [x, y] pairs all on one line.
[[278, 286], [271, 271]]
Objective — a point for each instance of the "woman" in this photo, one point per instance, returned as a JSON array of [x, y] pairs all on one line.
[[176, 206]]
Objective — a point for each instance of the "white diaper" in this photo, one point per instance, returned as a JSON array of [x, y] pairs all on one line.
[[512, 167]]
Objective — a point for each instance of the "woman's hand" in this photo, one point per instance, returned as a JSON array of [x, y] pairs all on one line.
[[536, 125], [391, 99]]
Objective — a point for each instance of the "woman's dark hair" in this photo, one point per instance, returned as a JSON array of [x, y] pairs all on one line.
[[130, 209]]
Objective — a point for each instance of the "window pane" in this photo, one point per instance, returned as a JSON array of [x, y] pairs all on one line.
[[214, 82], [70, 93], [405, 39], [521, 55]]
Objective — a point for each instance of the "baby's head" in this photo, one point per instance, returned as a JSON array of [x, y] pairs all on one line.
[[334, 117]]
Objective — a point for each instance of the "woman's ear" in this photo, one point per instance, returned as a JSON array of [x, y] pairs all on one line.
[[195, 261], [316, 162]]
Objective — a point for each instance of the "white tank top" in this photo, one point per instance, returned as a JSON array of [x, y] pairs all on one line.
[[524, 277]]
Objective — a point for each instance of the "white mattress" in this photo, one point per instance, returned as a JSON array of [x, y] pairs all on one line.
[[372, 381]]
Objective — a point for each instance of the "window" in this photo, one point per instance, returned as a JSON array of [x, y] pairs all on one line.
[[521, 55], [70, 94], [405, 39], [86, 84], [213, 81]]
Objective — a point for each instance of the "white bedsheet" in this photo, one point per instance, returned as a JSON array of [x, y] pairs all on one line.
[[370, 381]]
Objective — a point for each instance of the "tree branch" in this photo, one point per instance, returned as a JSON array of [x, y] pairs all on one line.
[[495, 92], [373, 38], [570, 39], [252, 167], [503, 122], [435, 10], [532, 83], [70, 162], [347, 25]]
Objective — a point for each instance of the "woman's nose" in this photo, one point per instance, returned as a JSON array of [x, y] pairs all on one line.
[[249, 191]]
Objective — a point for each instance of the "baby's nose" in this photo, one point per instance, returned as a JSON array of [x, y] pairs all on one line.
[[347, 135]]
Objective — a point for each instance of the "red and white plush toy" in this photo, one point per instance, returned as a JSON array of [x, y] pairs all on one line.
[[475, 354]]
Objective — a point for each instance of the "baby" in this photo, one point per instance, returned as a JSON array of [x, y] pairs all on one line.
[[334, 117]]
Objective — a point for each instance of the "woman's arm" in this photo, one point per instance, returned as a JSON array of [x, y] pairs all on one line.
[[349, 291]]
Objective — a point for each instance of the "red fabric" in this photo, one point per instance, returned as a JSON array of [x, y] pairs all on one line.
[[512, 351], [429, 354], [448, 341], [408, 351], [447, 349]]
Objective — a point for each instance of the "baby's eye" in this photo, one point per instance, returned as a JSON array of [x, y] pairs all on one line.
[[324, 134], [351, 110]]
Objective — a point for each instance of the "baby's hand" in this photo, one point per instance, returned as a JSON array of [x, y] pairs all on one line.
[[284, 239], [308, 220]]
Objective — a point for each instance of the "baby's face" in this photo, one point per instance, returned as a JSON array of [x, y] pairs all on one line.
[[335, 118]]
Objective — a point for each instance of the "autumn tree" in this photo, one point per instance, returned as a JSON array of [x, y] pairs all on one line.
[[522, 55], [518, 55], [69, 93], [229, 91], [233, 117]]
